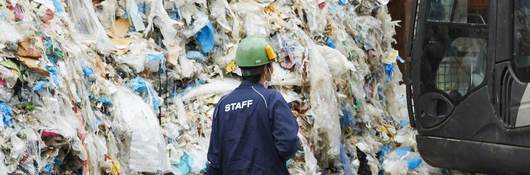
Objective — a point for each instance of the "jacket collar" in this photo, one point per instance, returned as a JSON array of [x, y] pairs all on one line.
[[245, 83]]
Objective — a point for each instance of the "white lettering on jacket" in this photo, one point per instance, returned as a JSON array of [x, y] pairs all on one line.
[[238, 105]]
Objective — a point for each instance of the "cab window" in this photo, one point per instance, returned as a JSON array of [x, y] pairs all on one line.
[[454, 47], [521, 52]]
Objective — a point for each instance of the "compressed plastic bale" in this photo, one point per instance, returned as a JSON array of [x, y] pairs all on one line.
[[147, 153], [295, 30], [324, 103]]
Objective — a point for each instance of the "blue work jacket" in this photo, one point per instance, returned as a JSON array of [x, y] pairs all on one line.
[[253, 132]]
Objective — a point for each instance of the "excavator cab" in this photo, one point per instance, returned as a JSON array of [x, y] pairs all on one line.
[[469, 96]]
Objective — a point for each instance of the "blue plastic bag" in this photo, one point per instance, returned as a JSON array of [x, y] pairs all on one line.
[[346, 120], [414, 163], [106, 101], [346, 163], [87, 71], [40, 86], [146, 90], [330, 43], [205, 38], [196, 55], [58, 6], [402, 151], [54, 75], [384, 151], [48, 169], [7, 114], [389, 70], [138, 85]]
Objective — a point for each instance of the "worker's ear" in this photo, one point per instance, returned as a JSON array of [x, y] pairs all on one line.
[[269, 68], [268, 72]]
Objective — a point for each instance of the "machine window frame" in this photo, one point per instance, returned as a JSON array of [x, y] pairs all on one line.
[[420, 47], [521, 72]]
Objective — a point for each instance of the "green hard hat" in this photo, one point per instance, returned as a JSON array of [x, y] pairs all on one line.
[[254, 51]]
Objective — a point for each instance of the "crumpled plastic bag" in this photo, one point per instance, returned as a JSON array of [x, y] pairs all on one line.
[[146, 91], [5, 28], [338, 64], [147, 150]]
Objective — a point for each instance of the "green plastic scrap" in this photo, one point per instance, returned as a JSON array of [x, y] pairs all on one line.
[[11, 65], [358, 104], [28, 106]]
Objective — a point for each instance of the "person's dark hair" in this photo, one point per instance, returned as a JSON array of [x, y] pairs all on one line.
[[254, 73]]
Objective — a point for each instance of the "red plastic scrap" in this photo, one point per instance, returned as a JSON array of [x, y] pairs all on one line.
[[49, 133], [322, 4]]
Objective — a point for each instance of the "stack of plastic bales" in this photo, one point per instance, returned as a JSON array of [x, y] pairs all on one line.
[[129, 86]]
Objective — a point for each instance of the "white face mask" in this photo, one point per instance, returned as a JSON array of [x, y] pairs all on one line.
[[267, 84]]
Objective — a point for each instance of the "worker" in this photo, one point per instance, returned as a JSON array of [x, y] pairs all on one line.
[[253, 129]]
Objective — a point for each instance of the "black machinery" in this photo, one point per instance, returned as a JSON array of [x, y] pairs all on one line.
[[469, 98]]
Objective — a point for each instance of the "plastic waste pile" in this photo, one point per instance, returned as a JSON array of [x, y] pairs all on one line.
[[129, 86]]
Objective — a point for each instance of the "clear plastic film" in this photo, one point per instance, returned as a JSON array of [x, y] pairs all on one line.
[[147, 153], [324, 102], [86, 22]]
